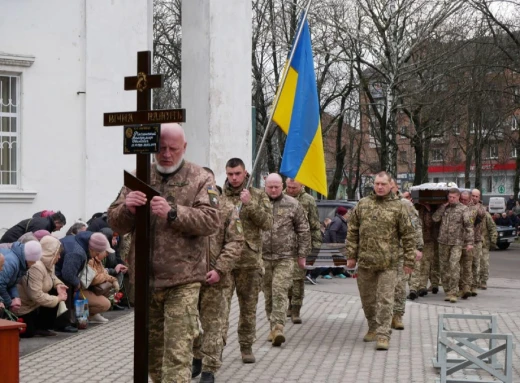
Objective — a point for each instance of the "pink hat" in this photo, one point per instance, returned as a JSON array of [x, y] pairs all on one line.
[[39, 234], [33, 251], [99, 243]]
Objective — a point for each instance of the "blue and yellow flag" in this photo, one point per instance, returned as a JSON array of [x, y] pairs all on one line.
[[298, 115]]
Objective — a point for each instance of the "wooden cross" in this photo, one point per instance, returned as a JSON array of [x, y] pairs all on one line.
[[143, 83]]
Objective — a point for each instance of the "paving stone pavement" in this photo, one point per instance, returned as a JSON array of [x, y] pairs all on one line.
[[327, 347]]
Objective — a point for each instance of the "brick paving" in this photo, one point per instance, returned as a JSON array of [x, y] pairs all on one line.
[[327, 347]]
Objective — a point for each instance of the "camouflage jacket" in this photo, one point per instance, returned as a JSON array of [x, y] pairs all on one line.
[[226, 245], [456, 226], [376, 226], [476, 214], [289, 236], [255, 217], [416, 223], [311, 211], [179, 248], [430, 228], [489, 230]]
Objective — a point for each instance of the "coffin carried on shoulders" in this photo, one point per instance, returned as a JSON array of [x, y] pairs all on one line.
[[432, 193], [329, 255]]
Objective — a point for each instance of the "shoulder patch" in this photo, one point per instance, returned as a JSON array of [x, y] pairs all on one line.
[[213, 197]]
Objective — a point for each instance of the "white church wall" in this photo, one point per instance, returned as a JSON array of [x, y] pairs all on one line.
[[68, 160], [217, 61]]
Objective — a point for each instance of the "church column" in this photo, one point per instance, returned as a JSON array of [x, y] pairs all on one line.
[[216, 82]]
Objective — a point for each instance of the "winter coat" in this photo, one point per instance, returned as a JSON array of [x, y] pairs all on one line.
[[15, 267], [28, 225], [456, 225], [337, 230], [98, 223], [40, 279], [73, 257], [101, 273]]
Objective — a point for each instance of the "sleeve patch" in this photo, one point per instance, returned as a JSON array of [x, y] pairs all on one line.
[[213, 197]]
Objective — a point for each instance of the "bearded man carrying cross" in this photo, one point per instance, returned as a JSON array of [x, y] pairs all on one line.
[[184, 214]]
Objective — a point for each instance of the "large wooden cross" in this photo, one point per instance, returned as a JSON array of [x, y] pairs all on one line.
[[143, 83]]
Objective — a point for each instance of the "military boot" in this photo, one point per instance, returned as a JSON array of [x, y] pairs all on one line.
[[247, 354], [289, 308], [207, 377], [474, 292], [278, 337], [466, 294], [295, 314], [196, 367], [483, 285], [453, 299], [413, 295], [370, 336], [270, 336], [435, 290], [382, 344], [423, 292], [397, 322]]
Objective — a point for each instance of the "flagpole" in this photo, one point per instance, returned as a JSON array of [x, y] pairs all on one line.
[[277, 97]]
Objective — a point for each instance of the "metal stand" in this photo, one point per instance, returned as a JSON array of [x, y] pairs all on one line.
[[462, 344]]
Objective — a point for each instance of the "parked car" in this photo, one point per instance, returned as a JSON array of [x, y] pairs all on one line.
[[506, 235], [497, 205], [327, 208]]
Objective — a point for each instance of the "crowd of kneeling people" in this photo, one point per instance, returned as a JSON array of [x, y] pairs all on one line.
[[41, 276]]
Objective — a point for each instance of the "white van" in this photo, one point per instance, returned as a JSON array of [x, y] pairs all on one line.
[[497, 205]]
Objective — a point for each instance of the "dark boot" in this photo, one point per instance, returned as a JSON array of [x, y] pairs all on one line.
[[423, 292], [435, 290], [289, 309], [196, 367], [295, 314], [413, 295], [207, 377]]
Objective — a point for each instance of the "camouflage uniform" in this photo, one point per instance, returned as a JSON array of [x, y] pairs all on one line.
[[247, 273], [456, 230], [419, 278], [476, 214], [288, 238], [489, 236], [296, 292], [376, 226], [477, 251], [224, 249], [402, 278], [178, 265]]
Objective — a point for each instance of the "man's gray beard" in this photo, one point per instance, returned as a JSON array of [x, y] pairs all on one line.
[[170, 169]]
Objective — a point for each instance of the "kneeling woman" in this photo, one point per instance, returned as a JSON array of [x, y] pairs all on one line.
[[102, 283], [41, 291]]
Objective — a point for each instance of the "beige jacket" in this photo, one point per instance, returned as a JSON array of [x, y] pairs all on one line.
[[34, 287]]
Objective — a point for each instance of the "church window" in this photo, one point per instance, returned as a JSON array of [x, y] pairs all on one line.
[[9, 129]]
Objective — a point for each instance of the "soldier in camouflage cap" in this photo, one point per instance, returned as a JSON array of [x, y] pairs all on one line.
[[246, 276], [296, 292], [288, 239], [402, 278], [376, 226], [224, 250], [183, 216], [455, 232], [489, 237]]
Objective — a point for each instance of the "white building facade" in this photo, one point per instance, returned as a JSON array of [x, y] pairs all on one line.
[[62, 65]]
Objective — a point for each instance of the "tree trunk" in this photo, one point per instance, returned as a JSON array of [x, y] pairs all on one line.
[[478, 167], [419, 160], [340, 155], [516, 185]]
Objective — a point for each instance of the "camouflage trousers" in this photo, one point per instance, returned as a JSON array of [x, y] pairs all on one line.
[[297, 290], [450, 267], [277, 280], [435, 268], [420, 276], [484, 264], [376, 289], [209, 344], [477, 258], [247, 283], [400, 287], [466, 272], [174, 324]]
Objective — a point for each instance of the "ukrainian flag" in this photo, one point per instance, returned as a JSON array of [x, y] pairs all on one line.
[[298, 115]]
